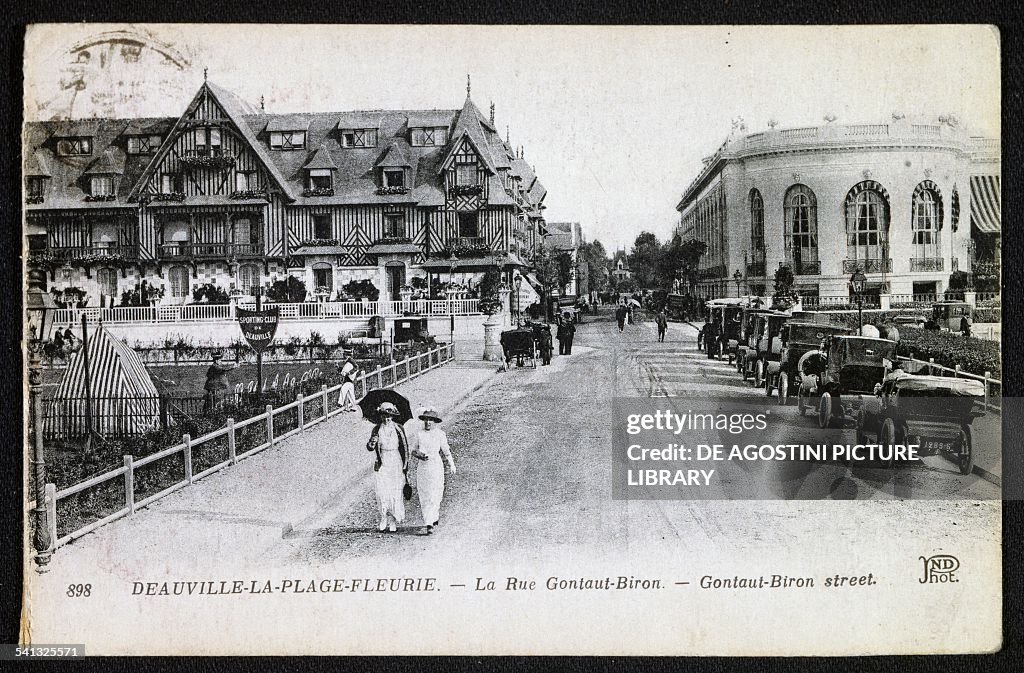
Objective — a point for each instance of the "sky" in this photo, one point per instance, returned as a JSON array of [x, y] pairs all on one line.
[[614, 119]]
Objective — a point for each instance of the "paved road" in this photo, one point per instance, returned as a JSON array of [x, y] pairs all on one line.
[[534, 479]]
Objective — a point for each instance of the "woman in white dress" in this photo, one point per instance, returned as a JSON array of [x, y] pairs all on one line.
[[388, 442], [431, 445]]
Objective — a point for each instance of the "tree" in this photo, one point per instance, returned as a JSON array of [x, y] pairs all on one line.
[[490, 292], [563, 270], [678, 260], [594, 258], [643, 259]]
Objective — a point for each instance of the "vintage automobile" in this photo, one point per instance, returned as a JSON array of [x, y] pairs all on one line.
[[851, 368], [948, 314], [749, 330], [723, 334], [934, 412], [800, 355], [769, 351]]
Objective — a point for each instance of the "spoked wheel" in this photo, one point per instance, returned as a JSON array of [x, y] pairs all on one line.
[[825, 410], [758, 374], [965, 448], [783, 388], [887, 437]]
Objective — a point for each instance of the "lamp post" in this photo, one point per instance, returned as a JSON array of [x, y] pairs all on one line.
[[857, 281], [737, 277], [39, 310]]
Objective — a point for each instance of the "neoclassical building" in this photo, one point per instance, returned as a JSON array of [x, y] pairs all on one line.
[[231, 195], [908, 203]]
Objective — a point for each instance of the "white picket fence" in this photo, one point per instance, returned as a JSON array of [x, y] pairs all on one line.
[[412, 367], [328, 310]]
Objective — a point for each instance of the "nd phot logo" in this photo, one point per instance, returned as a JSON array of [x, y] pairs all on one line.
[[939, 569]]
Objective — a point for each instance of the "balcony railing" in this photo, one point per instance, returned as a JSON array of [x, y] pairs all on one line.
[[926, 263], [803, 268], [71, 254], [218, 250], [468, 241], [867, 265]]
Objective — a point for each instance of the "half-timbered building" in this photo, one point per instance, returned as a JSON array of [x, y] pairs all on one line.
[[231, 195]]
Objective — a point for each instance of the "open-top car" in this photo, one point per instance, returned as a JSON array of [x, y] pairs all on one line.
[[934, 412], [801, 355], [851, 368]]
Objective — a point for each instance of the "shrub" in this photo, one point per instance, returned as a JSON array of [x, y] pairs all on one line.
[[290, 290], [490, 298], [975, 356], [211, 293], [361, 289]]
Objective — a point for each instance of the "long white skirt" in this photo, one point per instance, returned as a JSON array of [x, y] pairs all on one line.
[[430, 486], [388, 482]]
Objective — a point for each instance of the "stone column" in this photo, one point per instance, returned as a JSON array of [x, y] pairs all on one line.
[[971, 297], [492, 338], [884, 301]]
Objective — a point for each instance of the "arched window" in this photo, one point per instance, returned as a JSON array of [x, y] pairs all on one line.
[[756, 222], [925, 225], [180, 286], [248, 278], [954, 208], [867, 228], [106, 279], [801, 230]]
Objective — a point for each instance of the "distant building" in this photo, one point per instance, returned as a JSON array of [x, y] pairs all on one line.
[[231, 195], [567, 237], [907, 203], [620, 267]]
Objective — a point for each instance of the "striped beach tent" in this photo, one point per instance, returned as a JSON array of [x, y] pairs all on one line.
[[124, 401]]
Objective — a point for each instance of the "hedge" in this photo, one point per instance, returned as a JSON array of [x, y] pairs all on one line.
[[975, 356]]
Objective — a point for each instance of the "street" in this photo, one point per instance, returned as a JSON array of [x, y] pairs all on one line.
[[534, 480]]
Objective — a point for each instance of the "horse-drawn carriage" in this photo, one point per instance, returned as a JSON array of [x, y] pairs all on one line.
[[933, 412]]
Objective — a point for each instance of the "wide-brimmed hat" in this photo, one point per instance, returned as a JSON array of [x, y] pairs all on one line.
[[429, 414], [388, 408]]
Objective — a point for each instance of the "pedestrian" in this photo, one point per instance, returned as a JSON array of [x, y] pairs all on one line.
[[629, 314], [545, 344], [965, 326], [390, 446], [620, 316], [431, 445], [216, 381], [570, 331], [349, 373], [661, 320]]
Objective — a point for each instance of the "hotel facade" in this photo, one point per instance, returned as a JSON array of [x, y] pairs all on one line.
[[229, 195], [907, 203]]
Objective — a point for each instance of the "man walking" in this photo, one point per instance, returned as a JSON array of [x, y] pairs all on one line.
[[565, 334], [620, 316], [216, 382], [661, 320]]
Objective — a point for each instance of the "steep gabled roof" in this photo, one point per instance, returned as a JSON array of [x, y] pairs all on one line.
[[235, 109], [394, 157], [469, 124], [111, 161], [321, 159]]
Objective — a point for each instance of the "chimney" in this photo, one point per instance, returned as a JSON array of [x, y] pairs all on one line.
[[492, 113]]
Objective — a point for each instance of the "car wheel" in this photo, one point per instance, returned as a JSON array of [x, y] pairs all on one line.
[[887, 437], [966, 451], [825, 411], [758, 374], [783, 389]]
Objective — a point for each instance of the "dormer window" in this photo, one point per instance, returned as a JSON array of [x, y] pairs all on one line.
[[288, 140], [394, 177], [320, 178], [143, 144], [69, 147], [359, 138], [429, 137], [101, 185]]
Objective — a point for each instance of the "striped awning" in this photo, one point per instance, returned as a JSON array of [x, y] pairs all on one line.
[[986, 214]]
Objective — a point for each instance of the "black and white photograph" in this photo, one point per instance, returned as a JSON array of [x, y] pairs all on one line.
[[512, 340]]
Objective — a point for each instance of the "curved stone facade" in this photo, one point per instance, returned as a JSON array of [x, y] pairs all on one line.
[[892, 199]]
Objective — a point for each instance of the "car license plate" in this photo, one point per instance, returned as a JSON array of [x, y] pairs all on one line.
[[933, 445]]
